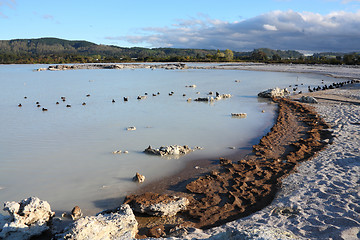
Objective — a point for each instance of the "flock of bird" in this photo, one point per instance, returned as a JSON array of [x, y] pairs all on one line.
[[140, 97], [125, 99], [331, 86]]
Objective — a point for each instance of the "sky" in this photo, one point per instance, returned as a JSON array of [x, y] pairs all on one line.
[[239, 25]]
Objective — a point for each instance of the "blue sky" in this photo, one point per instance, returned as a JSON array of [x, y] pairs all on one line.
[[308, 25]]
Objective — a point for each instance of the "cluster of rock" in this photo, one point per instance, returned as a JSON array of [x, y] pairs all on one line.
[[169, 66], [28, 218], [308, 99], [274, 92], [212, 99], [31, 217], [169, 150]]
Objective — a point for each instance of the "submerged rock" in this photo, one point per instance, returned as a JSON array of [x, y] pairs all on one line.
[[157, 205], [119, 225], [28, 218], [308, 99], [274, 92], [239, 115], [169, 150]]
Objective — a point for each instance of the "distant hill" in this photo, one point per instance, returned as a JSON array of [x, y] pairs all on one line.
[[55, 50]]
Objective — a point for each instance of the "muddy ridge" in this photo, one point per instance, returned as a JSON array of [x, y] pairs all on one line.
[[237, 189]]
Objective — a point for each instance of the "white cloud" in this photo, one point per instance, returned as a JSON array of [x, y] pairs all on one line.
[[337, 31], [270, 27]]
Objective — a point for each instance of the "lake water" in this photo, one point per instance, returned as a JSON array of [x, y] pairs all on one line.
[[64, 155]]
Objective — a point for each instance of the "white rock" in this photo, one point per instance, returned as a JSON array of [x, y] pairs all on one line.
[[169, 150], [274, 92], [308, 99], [28, 218], [119, 225]]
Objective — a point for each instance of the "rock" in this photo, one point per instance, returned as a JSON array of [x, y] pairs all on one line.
[[118, 225], [27, 218], [76, 213], [274, 92], [156, 204], [139, 178], [308, 99], [169, 150], [222, 96], [157, 231], [239, 115]]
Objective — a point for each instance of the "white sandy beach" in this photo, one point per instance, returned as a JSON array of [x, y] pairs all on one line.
[[321, 200]]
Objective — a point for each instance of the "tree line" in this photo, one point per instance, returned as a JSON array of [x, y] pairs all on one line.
[[54, 50]]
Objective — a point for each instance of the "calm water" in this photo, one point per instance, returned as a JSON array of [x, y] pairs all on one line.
[[64, 155]]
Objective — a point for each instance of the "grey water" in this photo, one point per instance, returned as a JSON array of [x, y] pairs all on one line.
[[64, 155]]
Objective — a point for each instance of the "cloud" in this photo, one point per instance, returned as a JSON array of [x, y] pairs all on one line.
[[7, 3], [336, 31], [48, 17]]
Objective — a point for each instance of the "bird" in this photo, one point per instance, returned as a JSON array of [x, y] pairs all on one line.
[[68, 106], [44, 109], [83, 103], [19, 105], [113, 101], [125, 99]]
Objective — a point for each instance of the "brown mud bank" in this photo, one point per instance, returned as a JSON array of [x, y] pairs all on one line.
[[235, 189]]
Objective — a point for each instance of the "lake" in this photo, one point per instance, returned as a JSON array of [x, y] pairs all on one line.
[[64, 155]]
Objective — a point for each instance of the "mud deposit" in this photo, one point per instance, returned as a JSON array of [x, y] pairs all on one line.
[[237, 189]]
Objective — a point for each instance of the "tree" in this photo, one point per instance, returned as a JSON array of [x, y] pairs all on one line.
[[258, 55], [229, 55]]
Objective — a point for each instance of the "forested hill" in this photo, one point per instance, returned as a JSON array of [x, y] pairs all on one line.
[[54, 50]]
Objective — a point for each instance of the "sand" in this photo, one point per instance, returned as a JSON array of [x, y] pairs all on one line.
[[322, 199]]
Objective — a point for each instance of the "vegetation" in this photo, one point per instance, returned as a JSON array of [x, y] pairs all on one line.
[[54, 50]]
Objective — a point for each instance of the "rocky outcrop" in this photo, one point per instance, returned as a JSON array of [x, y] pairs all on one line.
[[28, 218], [156, 204], [119, 225], [168, 66], [169, 150], [274, 92], [308, 99]]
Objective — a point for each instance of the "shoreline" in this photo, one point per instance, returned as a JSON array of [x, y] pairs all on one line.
[[279, 220], [222, 228]]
